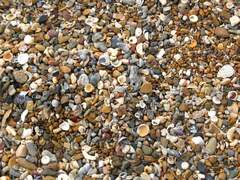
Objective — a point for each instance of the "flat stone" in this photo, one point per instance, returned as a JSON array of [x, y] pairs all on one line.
[[65, 69], [146, 88], [221, 32], [147, 150], [32, 148], [211, 146], [26, 164], [21, 150], [20, 76], [106, 109], [42, 19]]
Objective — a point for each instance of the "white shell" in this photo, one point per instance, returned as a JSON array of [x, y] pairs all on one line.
[[45, 159], [22, 58], [26, 133], [89, 157], [163, 2], [160, 53], [138, 32], [132, 40], [185, 165], [121, 79], [234, 20], [193, 18], [63, 177], [226, 71], [139, 49], [23, 115], [28, 39], [230, 133], [216, 100], [198, 140], [64, 126], [11, 130]]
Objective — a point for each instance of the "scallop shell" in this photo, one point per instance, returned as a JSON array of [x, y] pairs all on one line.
[[143, 130], [7, 56]]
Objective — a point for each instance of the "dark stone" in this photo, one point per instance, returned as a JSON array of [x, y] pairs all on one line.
[[43, 19], [201, 167]]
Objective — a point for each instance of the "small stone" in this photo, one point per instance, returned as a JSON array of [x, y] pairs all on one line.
[[20, 76], [26, 164], [45, 160], [64, 126], [106, 109], [28, 39], [184, 165], [193, 18], [43, 19], [198, 140], [40, 47], [211, 146], [32, 148], [21, 151], [183, 107], [146, 88], [221, 32], [23, 58], [65, 69], [226, 71], [234, 20], [147, 150]]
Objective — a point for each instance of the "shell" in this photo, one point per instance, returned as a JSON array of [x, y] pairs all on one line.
[[143, 130], [121, 79], [45, 159], [226, 71], [22, 58], [193, 18], [64, 126], [138, 32], [28, 39], [139, 49], [63, 177], [233, 95], [28, 2], [26, 133], [7, 56], [132, 40], [230, 133], [198, 140], [88, 88]]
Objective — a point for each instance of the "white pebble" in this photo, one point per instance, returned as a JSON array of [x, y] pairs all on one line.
[[139, 49], [193, 18], [226, 71], [23, 58], [198, 140], [26, 133], [163, 2], [45, 159], [185, 165], [138, 32], [64, 126], [63, 177], [55, 103], [28, 39], [234, 20], [23, 115]]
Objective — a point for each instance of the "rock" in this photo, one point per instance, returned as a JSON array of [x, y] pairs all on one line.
[[20, 76], [43, 19], [49, 178], [201, 167], [32, 148], [65, 69], [146, 88], [221, 32], [49, 172], [211, 146], [40, 47], [234, 20], [226, 71], [183, 107], [21, 150], [198, 140], [147, 150], [233, 172], [106, 109], [26, 164]]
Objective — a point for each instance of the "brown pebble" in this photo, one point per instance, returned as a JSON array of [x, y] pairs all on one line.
[[146, 87], [26, 164], [106, 109], [65, 69], [221, 32]]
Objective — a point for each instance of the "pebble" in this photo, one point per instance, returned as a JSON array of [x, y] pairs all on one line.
[[43, 19], [211, 145], [146, 88], [147, 150], [20, 76], [23, 58], [226, 71], [21, 151], [26, 164], [234, 20], [32, 148], [221, 32]]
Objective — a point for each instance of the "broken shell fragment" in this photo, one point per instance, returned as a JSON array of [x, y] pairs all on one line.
[[198, 140], [232, 95], [226, 71], [143, 130], [45, 160], [88, 88], [193, 18], [64, 126]]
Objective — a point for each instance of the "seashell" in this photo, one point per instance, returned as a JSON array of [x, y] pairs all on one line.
[[7, 56], [139, 49], [91, 21], [140, 2], [230, 133], [63, 176], [88, 88], [138, 32], [28, 39], [28, 2], [216, 100], [23, 115], [132, 40], [45, 160], [143, 130], [104, 59], [171, 159], [10, 17], [157, 121], [184, 165], [193, 18], [198, 140], [22, 58], [89, 157], [234, 20], [116, 63], [26, 133], [122, 79], [233, 95], [64, 126], [83, 80], [226, 71], [126, 149], [161, 53]]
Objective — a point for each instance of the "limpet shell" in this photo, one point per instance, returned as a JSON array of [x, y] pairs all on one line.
[[143, 130], [88, 88], [7, 56], [233, 95]]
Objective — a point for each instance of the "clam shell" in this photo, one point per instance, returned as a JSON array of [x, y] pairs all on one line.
[[143, 130]]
